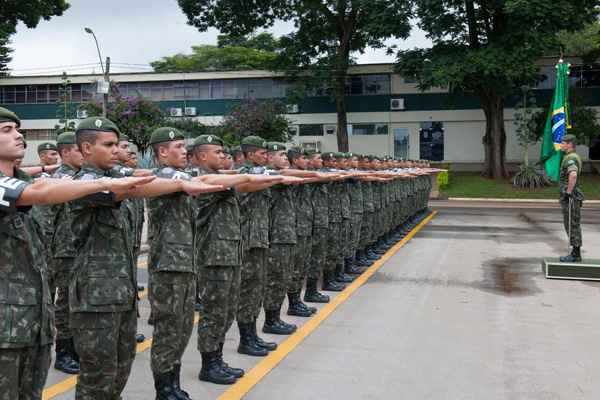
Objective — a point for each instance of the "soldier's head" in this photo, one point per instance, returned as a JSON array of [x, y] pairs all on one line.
[[12, 143], [228, 163], [132, 161], [48, 154], [255, 150], [277, 155], [68, 150], [314, 159], [297, 158], [209, 153], [123, 147], [353, 161], [329, 160], [168, 145], [238, 155], [97, 139], [568, 143]]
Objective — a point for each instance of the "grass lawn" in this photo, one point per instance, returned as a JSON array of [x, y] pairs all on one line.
[[471, 184]]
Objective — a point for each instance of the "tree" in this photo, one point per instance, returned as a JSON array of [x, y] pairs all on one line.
[[489, 48], [135, 116], [30, 12], [327, 34], [5, 57], [232, 53], [584, 43], [251, 117], [66, 108]]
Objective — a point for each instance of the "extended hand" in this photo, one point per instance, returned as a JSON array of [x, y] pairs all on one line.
[[123, 185], [194, 188]]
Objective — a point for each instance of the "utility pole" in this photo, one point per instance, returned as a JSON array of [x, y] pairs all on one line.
[[107, 80]]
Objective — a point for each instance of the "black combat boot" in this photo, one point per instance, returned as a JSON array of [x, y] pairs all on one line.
[[296, 307], [351, 268], [237, 372], [248, 344], [274, 324], [270, 346], [312, 295], [65, 357], [330, 284], [139, 337], [575, 256], [342, 277], [165, 387], [177, 382], [361, 259], [212, 371]]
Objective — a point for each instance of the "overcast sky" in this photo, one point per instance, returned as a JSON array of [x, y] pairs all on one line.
[[130, 32]]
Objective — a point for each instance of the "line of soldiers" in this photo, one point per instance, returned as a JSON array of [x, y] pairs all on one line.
[[238, 230]]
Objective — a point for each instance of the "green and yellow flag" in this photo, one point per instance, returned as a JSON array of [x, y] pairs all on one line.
[[556, 124]]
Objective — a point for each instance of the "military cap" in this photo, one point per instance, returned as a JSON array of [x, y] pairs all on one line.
[[569, 139], [189, 148], [99, 124], [208, 139], [165, 134], [47, 146], [275, 146], [124, 138], [254, 141], [227, 150], [328, 156], [9, 116], [294, 152], [310, 152], [66, 138], [235, 150]]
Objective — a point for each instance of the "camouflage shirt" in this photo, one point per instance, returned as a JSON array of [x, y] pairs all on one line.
[[26, 309], [282, 218], [171, 230], [218, 239], [105, 277], [62, 244], [255, 212], [571, 163], [302, 195]]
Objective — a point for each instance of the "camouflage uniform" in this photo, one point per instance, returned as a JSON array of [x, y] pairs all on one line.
[[218, 250], [356, 208], [255, 242], [102, 293], [571, 163], [282, 238], [25, 302], [366, 228], [318, 255], [334, 241], [173, 274], [304, 226]]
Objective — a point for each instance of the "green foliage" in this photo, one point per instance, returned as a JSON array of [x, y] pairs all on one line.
[[584, 43], [66, 109], [525, 119], [530, 178], [251, 117], [442, 179], [135, 116], [326, 34], [232, 53], [489, 48], [5, 57]]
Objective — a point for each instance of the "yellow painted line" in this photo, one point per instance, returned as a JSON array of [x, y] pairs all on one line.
[[245, 384], [69, 383]]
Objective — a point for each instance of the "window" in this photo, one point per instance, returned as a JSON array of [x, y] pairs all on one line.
[[39, 134], [377, 84], [369, 129], [311, 130]]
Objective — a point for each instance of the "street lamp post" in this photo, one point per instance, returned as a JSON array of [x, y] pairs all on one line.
[[105, 72]]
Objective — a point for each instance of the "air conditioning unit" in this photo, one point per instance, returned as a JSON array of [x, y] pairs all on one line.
[[292, 108], [329, 129], [397, 104], [176, 112], [190, 111], [81, 114]]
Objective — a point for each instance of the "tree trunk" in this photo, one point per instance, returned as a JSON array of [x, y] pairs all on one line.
[[342, 119], [494, 141]]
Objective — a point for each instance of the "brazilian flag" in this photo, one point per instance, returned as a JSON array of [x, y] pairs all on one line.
[[556, 124]]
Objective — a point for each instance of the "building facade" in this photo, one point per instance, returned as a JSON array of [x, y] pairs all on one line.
[[387, 114]]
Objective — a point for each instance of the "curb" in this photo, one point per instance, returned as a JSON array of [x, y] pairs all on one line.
[[492, 200]]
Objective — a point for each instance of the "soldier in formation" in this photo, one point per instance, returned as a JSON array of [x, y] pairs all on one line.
[[239, 231]]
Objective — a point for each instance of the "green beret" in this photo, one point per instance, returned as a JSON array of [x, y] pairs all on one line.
[[569, 138], [227, 150], [208, 139], [275, 146], [66, 138], [295, 151], [328, 156], [47, 146], [189, 148], [124, 138], [254, 141], [235, 150], [165, 134], [99, 124], [310, 152], [9, 116]]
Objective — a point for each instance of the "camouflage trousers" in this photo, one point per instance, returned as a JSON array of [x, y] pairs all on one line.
[[355, 232], [173, 299], [346, 238], [219, 291], [23, 372], [301, 263], [318, 254], [366, 230], [252, 285], [62, 269], [575, 224], [106, 344], [335, 253], [278, 274]]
